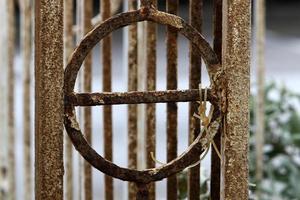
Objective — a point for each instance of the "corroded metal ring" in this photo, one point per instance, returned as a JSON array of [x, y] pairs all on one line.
[[191, 155]]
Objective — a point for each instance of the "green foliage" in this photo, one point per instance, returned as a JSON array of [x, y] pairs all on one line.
[[282, 144]]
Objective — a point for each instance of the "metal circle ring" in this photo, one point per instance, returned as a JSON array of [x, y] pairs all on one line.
[[191, 155]]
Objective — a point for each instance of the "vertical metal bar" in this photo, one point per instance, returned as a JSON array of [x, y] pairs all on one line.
[[142, 40], [172, 54], [87, 86], [68, 45], [79, 35], [11, 99], [26, 25], [260, 105], [215, 160], [148, 2], [142, 192], [132, 109], [150, 108], [49, 168], [107, 65], [3, 100], [236, 58], [196, 12]]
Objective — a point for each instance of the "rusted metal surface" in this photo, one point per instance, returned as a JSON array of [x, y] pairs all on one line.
[[196, 15], [107, 110], [87, 87], [26, 25], [215, 160], [148, 3], [136, 97], [49, 168], [172, 56], [236, 62], [150, 126], [132, 109], [191, 155], [68, 45], [11, 98], [142, 192], [124, 19]]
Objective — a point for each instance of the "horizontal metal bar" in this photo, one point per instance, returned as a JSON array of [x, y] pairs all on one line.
[[136, 97]]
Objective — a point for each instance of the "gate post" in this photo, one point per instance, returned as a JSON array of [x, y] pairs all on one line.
[[49, 99], [236, 63]]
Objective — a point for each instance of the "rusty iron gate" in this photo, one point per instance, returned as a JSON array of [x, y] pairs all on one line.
[[143, 178], [224, 95]]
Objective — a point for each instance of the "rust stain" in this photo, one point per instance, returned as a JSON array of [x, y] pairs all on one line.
[[143, 178], [87, 87], [49, 168], [132, 109], [215, 160], [151, 108], [107, 110], [136, 97], [236, 62], [68, 45], [172, 56], [195, 12]]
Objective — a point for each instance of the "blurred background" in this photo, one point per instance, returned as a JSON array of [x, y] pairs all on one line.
[[280, 147]]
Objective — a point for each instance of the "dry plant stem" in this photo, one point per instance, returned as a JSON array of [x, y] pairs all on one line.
[[215, 160], [217, 150], [132, 109], [191, 155], [195, 12], [155, 160], [49, 168], [136, 97], [87, 87], [68, 45], [201, 115], [172, 54], [260, 106], [236, 62], [26, 25], [200, 159], [11, 109], [205, 122], [107, 115], [151, 108]]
